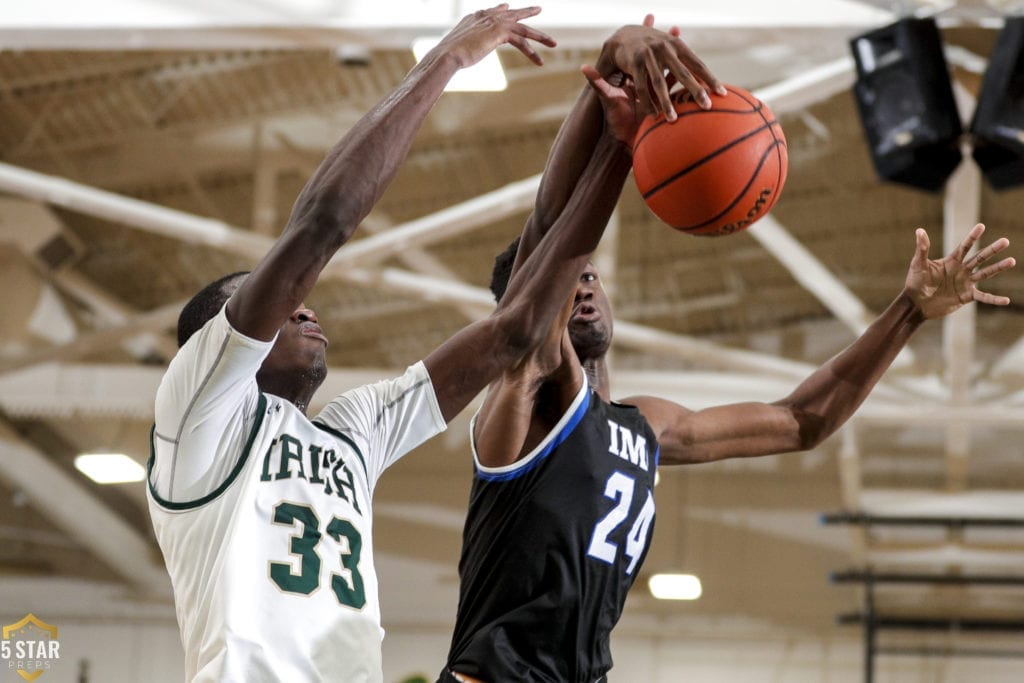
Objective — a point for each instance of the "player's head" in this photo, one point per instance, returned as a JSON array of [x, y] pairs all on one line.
[[206, 304], [590, 326], [297, 364], [297, 361], [502, 270]]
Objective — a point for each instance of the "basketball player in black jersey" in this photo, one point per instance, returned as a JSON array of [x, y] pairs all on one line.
[[562, 506]]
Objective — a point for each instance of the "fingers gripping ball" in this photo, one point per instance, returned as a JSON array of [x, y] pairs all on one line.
[[715, 171]]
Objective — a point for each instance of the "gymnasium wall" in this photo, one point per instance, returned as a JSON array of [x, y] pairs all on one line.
[[150, 653]]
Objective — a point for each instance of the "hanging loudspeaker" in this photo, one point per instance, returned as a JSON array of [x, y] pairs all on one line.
[[906, 103], [998, 124]]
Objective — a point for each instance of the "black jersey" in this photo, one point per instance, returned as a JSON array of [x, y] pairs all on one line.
[[552, 545]]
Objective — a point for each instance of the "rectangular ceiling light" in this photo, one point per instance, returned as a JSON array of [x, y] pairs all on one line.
[[484, 76], [675, 586], [109, 468]]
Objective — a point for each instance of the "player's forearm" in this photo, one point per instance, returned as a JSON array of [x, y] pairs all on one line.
[[576, 233], [357, 171], [825, 400], [342, 191], [566, 162], [568, 157], [480, 353]]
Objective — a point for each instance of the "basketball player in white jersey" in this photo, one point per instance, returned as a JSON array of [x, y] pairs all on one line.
[[262, 514]]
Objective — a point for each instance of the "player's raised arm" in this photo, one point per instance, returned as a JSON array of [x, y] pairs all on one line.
[[470, 360], [826, 399], [641, 54], [355, 173]]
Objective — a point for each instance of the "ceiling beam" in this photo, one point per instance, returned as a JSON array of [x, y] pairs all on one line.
[[810, 87], [53, 391], [447, 223], [949, 554], [57, 391], [515, 197], [851, 484], [77, 512], [153, 218], [977, 503], [961, 211], [425, 263], [149, 24], [155, 322], [110, 311], [812, 274]]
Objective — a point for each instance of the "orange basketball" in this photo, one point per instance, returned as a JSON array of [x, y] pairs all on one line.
[[715, 171]]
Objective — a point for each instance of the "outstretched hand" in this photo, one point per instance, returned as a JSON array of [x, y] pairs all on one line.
[[484, 30], [940, 287], [645, 54]]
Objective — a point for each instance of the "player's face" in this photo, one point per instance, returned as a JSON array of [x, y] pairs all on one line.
[[300, 348], [590, 325]]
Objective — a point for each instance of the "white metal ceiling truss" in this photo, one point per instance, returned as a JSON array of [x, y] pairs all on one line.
[[30, 388]]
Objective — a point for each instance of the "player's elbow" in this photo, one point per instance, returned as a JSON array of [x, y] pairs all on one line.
[[811, 429], [329, 220], [517, 332]]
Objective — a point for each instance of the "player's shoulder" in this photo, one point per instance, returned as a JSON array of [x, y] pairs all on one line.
[[389, 390], [657, 412], [367, 401]]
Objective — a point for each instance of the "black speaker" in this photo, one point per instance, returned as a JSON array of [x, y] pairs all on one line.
[[998, 124], [906, 103]]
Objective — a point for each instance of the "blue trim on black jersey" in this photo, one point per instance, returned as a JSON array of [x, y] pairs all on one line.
[[657, 455], [577, 416]]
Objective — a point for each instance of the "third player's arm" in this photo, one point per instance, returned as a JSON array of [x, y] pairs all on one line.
[[826, 399], [813, 411]]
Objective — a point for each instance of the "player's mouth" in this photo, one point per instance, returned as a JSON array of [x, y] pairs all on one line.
[[584, 312], [313, 330]]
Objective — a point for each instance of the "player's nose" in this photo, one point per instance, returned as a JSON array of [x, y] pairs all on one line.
[[302, 314]]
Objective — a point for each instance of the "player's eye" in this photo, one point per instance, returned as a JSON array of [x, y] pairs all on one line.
[[588, 277]]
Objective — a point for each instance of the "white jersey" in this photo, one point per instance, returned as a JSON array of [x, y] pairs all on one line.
[[264, 516]]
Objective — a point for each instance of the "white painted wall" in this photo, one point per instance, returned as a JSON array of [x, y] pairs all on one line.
[[730, 661], [149, 652], [114, 652]]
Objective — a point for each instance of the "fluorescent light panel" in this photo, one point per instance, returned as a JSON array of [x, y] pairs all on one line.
[[109, 468], [675, 586], [484, 76]]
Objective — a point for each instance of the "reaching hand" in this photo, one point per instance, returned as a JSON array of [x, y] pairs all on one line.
[[941, 287], [484, 30], [645, 53], [619, 104]]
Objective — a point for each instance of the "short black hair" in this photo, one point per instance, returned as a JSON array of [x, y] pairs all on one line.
[[204, 305], [502, 271]]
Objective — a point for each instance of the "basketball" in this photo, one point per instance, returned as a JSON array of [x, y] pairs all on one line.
[[711, 172]]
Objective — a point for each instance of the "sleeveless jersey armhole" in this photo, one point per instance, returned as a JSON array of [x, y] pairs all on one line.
[[572, 417]]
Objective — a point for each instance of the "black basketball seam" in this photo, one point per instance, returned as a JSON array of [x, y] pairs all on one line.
[[756, 108], [739, 196], [778, 142], [683, 115], [705, 159]]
